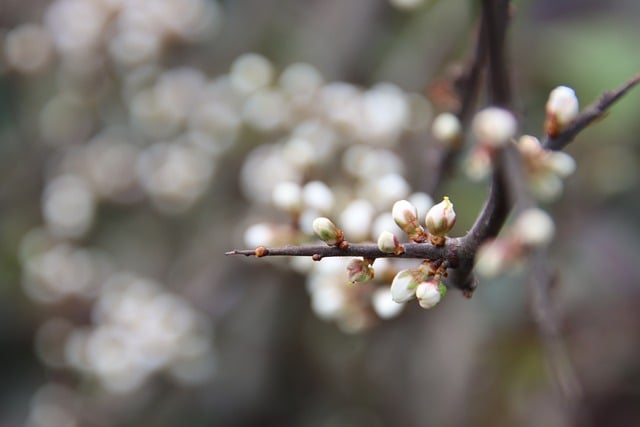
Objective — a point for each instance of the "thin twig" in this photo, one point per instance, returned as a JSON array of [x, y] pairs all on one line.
[[468, 88], [589, 115], [448, 252]]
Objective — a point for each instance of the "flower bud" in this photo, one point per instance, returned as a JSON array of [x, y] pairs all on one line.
[[441, 218], [406, 216], [403, 286], [494, 257], [388, 243], [359, 270], [534, 227], [383, 305], [287, 196], [561, 109], [327, 231], [447, 129], [430, 293], [494, 126], [561, 163]]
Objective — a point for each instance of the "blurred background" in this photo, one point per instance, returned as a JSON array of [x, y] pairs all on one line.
[[141, 139]]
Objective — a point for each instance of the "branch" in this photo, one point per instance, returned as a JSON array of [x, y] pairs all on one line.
[[589, 115], [540, 283], [496, 209], [467, 87], [496, 15], [449, 252]]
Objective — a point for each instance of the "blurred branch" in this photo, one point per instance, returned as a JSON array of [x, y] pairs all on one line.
[[589, 115], [540, 283], [467, 87]]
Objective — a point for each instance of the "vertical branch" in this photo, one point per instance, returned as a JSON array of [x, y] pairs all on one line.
[[539, 286], [496, 15]]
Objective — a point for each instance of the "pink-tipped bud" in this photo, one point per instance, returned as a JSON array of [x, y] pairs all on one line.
[[494, 126], [389, 244], [405, 215], [359, 270], [441, 218], [430, 293], [403, 286], [327, 231], [561, 109]]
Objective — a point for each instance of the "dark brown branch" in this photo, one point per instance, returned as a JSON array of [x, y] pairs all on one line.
[[589, 115], [496, 15], [448, 252], [496, 209]]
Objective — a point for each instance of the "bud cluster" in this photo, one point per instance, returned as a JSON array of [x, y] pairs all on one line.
[[533, 228], [493, 128], [439, 220], [422, 283], [544, 169]]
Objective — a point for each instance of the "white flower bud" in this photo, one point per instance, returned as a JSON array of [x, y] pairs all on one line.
[[478, 164], [561, 109], [493, 258], [494, 126], [317, 195], [287, 196], [383, 304], [447, 129], [534, 227], [405, 215], [250, 72], [529, 146], [327, 231], [561, 163], [430, 293], [441, 218], [403, 286], [407, 4], [388, 243], [359, 271]]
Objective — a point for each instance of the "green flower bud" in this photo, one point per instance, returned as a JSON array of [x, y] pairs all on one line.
[[327, 231]]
